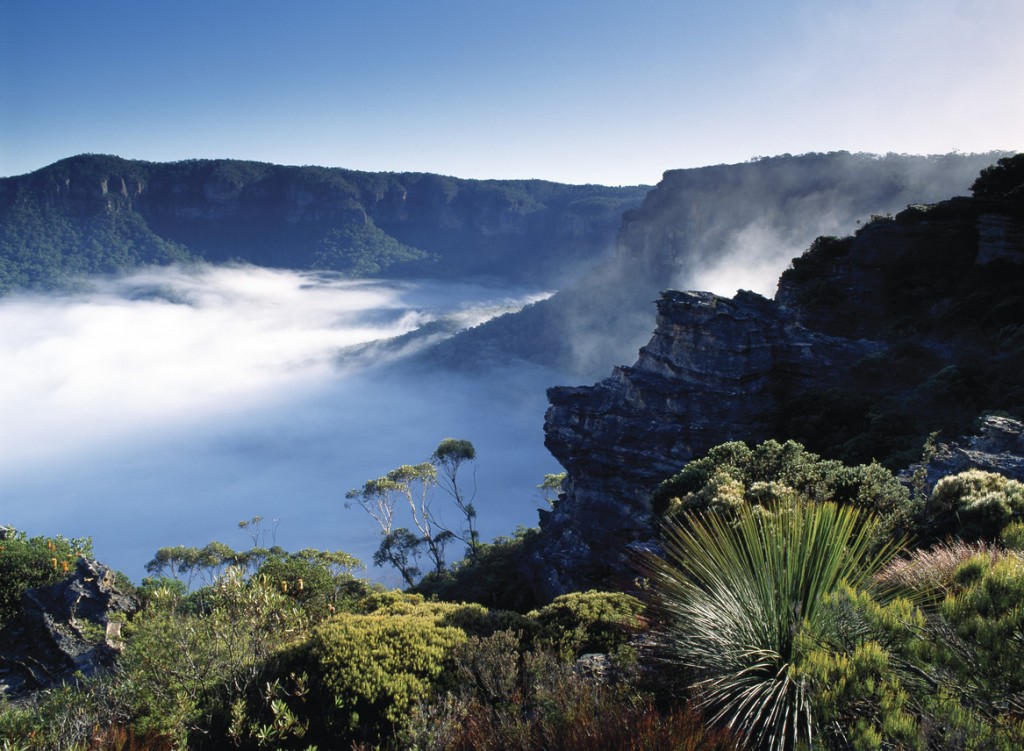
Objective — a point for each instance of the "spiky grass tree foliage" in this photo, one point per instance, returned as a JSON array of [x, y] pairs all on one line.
[[735, 594]]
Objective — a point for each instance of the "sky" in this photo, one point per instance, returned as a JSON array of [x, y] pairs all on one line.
[[577, 91]]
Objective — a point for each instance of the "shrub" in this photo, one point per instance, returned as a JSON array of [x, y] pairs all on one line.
[[307, 578], [733, 474], [975, 504], [187, 659], [26, 563], [735, 596], [927, 574], [986, 612], [488, 575], [505, 699], [371, 670], [588, 621]]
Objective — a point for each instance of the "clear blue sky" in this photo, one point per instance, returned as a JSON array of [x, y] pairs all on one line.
[[575, 91]]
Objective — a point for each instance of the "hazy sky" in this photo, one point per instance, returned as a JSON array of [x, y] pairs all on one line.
[[579, 91]]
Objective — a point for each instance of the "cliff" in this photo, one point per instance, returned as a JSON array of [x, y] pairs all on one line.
[[101, 213], [914, 324], [721, 227]]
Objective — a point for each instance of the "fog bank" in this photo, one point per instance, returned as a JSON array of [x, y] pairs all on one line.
[[163, 407]]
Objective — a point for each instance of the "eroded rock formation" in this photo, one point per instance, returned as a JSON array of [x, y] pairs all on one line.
[[914, 324], [63, 629]]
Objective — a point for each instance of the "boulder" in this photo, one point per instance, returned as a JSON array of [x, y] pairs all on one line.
[[64, 630]]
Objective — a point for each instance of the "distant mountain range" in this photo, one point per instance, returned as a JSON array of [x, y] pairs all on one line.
[[100, 214], [609, 251]]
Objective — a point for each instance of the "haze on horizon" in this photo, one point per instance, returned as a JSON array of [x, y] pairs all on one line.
[[596, 91]]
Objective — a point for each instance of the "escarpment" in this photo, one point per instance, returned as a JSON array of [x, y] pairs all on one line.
[[913, 325]]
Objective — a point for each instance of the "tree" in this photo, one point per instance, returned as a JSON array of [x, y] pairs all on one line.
[[449, 457], [400, 548], [414, 484], [551, 487]]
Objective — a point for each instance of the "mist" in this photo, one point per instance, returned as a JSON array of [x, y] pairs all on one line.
[[163, 407]]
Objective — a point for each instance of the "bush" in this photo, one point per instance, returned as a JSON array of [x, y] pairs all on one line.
[[505, 699], [733, 474], [591, 621], [975, 504], [489, 576], [187, 659], [26, 563], [308, 577], [371, 670]]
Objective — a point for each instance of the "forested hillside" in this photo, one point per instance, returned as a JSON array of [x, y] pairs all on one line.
[[99, 214]]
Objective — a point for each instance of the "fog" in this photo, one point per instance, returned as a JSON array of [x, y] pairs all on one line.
[[163, 407]]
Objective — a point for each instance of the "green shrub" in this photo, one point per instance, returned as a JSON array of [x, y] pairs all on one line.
[[489, 576], [307, 578], [733, 474], [986, 613], [371, 670], [26, 563], [187, 659], [592, 621], [975, 504]]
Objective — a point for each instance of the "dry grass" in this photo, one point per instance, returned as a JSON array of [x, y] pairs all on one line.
[[929, 573]]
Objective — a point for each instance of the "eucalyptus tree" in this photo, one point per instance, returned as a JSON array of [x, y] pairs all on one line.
[[448, 458], [412, 484]]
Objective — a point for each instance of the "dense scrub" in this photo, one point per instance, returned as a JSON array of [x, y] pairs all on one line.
[[781, 611]]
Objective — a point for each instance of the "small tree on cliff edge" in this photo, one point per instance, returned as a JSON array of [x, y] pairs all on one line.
[[414, 484], [449, 457]]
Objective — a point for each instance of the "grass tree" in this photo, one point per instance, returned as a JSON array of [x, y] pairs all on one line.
[[737, 593]]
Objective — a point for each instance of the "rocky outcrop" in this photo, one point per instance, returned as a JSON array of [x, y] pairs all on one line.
[[713, 371], [63, 629], [902, 329], [998, 447]]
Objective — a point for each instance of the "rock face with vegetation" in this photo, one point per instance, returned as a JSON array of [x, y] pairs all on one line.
[[63, 629], [696, 227], [911, 326], [92, 213]]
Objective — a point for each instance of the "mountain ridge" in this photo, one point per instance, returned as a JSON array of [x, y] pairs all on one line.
[[97, 214]]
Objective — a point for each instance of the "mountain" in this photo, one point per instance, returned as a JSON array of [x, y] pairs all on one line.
[[912, 325], [99, 214], [721, 227]]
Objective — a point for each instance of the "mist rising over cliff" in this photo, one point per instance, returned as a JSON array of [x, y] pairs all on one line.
[[719, 229]]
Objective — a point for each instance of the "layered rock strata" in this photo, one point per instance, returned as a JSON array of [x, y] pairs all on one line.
[[914, 324]]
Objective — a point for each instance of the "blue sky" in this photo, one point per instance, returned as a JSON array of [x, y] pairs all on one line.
[[576, 91]]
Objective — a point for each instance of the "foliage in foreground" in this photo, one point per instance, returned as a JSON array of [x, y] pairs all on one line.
[[505, 698], [27, 562], [734, 475], [737, 598]]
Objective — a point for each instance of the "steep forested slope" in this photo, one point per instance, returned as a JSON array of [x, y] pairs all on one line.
[[102, 213]]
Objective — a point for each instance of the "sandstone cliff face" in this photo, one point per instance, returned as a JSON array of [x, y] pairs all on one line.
[[943, 283], [712, 372]]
